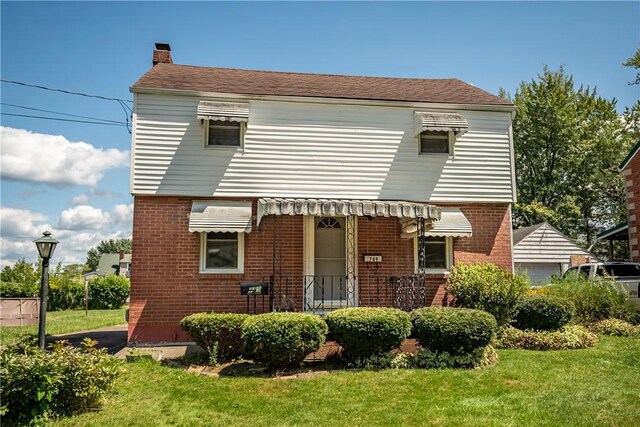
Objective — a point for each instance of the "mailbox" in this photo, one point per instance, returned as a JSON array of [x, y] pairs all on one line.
[[254, 288]]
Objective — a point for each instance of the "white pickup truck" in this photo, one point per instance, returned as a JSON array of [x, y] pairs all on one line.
[[626, 275]]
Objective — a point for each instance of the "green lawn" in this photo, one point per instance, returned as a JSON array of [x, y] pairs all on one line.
[[593, 387], [65, 321]]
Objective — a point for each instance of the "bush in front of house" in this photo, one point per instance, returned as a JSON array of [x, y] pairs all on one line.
[[282, 339], [38, 385], [19, 290], [456, 331], [594, 299], [108, 292], [487, 287], [615, 327], [482, 357], [220, 334], [542, 313], [365, 332], [568, 338]]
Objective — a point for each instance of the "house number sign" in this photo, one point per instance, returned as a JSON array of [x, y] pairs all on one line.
[[373, 258]]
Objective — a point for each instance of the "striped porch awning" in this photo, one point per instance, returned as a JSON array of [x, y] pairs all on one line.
[[440, 122], [452, 223], [332, 207], [223, 111], [220, 216]]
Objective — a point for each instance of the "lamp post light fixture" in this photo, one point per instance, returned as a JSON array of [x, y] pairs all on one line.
[[46, 246]]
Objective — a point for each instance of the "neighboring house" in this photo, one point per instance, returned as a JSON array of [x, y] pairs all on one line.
[[541, 251], [111, 263], [630, 169], [333, 190]]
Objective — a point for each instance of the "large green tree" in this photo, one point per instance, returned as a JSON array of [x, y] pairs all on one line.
[[568, 143], [105, 247]]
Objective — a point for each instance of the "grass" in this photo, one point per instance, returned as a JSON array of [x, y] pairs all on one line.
[[592, 387], [65, 321]]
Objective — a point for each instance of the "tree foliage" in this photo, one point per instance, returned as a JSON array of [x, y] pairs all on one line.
[[106, 247], [568, 144], [21, 272], [634, 62]]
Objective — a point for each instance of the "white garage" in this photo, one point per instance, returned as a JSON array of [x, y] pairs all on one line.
[[541, 251]]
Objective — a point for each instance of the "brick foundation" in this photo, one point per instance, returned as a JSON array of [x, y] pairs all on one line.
[[166, 284]]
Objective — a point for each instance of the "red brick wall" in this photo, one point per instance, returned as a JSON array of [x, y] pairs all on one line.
[[167, 285], [632, 185]]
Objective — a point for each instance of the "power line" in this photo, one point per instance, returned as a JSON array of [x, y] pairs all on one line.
[[65, 91], [59, 113], [64, 120]]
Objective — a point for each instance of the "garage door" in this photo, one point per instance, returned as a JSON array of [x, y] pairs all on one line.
[[539, 272]]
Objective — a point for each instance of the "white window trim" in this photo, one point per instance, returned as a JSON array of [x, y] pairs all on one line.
[[243, 130], [203, 258], [452, 144], [448, 251]]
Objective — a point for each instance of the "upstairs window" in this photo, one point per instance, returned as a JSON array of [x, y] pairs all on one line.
[[225, 133], [436, 142]]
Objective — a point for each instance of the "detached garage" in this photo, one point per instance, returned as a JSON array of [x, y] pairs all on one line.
[[541, 251]]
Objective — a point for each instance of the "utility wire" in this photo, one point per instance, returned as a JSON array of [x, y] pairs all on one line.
[[61, 114], [64, 91], [64, 120], [128, 112]]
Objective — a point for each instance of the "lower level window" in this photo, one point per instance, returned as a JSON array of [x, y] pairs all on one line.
[[437, 253], [222, 252]]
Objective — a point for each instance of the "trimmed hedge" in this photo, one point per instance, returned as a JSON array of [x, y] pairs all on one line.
[[487, 287], [220, 334], [65, 295], [542, 313], [482, 357], [615, 327], [453, 330], [364, 332], [283, 340], [109, 292], [568, 338]]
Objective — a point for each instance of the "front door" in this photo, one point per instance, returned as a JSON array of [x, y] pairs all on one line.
[[330, 264]]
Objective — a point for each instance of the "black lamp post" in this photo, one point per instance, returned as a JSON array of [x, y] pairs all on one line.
[[46, 245]]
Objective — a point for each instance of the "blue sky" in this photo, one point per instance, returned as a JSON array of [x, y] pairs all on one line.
[[74, 178]]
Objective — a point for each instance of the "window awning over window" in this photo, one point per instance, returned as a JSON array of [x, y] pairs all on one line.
[[452, 223], [332, 207], [440, 122], [220, 216], [223, 111]]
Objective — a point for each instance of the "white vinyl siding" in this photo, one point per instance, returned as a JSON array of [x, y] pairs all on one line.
[[313, 150]]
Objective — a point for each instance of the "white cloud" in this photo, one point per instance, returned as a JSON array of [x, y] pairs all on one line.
[[79, 229], [54, 160], [80, 199]]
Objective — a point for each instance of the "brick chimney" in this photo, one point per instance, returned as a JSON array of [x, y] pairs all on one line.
[[121, 255], [162, 54]]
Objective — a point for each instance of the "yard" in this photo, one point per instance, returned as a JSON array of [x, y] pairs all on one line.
[[598, 386], [66, 321]]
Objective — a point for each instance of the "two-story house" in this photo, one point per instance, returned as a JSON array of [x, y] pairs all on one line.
[[332, 190]]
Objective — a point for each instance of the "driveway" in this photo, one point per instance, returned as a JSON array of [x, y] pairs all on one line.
[[113, 338]]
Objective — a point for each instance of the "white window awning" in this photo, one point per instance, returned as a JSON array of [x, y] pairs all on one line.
[[220, 216], [332, 207], [440, 122], [452, 223], [223, 111]]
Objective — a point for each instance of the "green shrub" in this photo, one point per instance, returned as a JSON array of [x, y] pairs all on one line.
[[220, 334], [65, 295], [37, 385], [542, 313], [568, 338], [283, 340], [635, 318], [478, 358], [364, 332], [109, 292], [595, 299], [19, 290], [453, 330], [487, 287], [615, 327]]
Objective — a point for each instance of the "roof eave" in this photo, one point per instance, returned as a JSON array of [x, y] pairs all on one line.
[[630, 156], [326, 100]]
